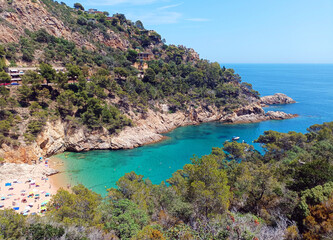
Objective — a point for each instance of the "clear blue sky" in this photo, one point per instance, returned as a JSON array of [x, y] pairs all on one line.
[[236, 31]]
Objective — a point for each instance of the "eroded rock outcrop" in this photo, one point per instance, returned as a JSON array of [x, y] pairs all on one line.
[[277, 98]]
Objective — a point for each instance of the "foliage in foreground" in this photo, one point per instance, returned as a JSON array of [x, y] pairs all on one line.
[[233, 193]]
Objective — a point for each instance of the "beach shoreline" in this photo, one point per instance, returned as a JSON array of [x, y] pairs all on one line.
[[60, 179]]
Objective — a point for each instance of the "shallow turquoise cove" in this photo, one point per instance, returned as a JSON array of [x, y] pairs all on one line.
[[311, 85]]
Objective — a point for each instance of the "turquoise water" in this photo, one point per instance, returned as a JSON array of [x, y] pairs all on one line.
[[310, 85]]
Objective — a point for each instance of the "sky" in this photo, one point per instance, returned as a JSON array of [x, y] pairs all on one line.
[[236, 31]]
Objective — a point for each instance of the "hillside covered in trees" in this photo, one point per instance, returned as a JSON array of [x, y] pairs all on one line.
[[107, 82], [233, 193], [118, 72]]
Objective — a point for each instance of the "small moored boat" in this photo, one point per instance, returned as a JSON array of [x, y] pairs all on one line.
[[235, 138]]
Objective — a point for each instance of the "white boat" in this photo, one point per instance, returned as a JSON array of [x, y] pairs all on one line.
[[235, 138]]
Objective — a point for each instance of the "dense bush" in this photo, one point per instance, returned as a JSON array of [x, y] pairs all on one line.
[[232, 193]]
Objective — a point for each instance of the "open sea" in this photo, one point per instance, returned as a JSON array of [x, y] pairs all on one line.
[[311, 85]]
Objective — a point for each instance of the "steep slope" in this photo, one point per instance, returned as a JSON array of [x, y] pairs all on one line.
[[126, 85], [23, 15], [92, 32]]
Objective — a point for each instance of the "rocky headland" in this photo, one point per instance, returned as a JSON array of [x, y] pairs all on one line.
[[41, 23], [59, 136]]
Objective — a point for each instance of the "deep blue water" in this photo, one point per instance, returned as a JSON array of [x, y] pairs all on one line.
[[311, 85]]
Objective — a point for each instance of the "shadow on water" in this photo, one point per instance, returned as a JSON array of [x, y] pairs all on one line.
[[222, 137]]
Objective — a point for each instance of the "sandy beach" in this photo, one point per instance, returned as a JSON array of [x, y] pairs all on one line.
[[27, 188], [59, 180]]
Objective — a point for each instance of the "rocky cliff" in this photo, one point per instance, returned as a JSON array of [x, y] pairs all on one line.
[[59, 136]]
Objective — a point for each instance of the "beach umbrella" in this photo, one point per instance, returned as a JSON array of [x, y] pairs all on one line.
[[33, 213], [25, 214], [31, 204], [1, 205], [3, 198], [47, 194], [15, 181], [7, 184], [16, 208], [44, 203]]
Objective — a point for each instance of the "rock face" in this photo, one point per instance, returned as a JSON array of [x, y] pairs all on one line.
[[59, 136], [33, 15], [277, 98]]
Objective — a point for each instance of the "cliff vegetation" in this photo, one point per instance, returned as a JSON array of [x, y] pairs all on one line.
[[104, 87]]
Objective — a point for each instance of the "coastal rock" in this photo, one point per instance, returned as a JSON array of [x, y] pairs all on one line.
[[278, 115], [254, 113], [59, 136], [277, 98]]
